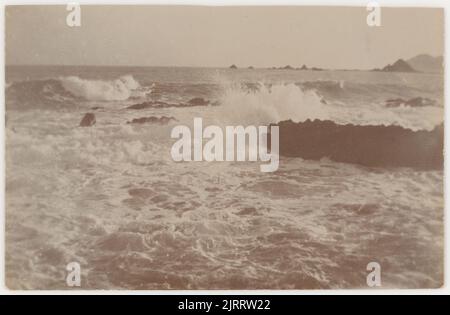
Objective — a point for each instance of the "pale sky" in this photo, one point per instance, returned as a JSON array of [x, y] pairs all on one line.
[[328, 37]]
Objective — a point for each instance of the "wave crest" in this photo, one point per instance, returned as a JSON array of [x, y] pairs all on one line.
[[99, 90], [267, 104], [264, 104]]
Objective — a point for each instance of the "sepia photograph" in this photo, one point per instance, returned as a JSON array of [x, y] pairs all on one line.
[[195, 147]]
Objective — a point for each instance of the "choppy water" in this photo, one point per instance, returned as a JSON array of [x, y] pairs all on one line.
[[111, 198]]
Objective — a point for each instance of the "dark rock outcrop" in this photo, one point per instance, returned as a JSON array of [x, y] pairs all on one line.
[[233, 67], [163, 120], [151, 104], [373, 146], [198, 101], [88, 120], [142, 193], [248, 211]]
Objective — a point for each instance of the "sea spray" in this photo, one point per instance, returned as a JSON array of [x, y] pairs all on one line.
[[100, 90], [267, 104]]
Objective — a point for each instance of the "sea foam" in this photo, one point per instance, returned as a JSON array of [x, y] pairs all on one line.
[[101, 90], [268, 104]]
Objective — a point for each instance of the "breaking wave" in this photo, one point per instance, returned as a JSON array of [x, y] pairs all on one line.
[[267, 104], [52, 92], [264, 104], [100, 90], [247, 103]]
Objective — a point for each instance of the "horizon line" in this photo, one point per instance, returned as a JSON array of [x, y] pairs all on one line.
[[218, 67]]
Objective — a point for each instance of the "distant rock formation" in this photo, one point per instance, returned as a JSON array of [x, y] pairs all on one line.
[[251, 68], [304, 67], [373, 146], [398, 66], [413, 102], [88, 120], [163, 120], [233, 66], [427, 63], [289, 67]]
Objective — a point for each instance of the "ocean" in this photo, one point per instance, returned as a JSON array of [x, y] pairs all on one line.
[[111, 198]]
